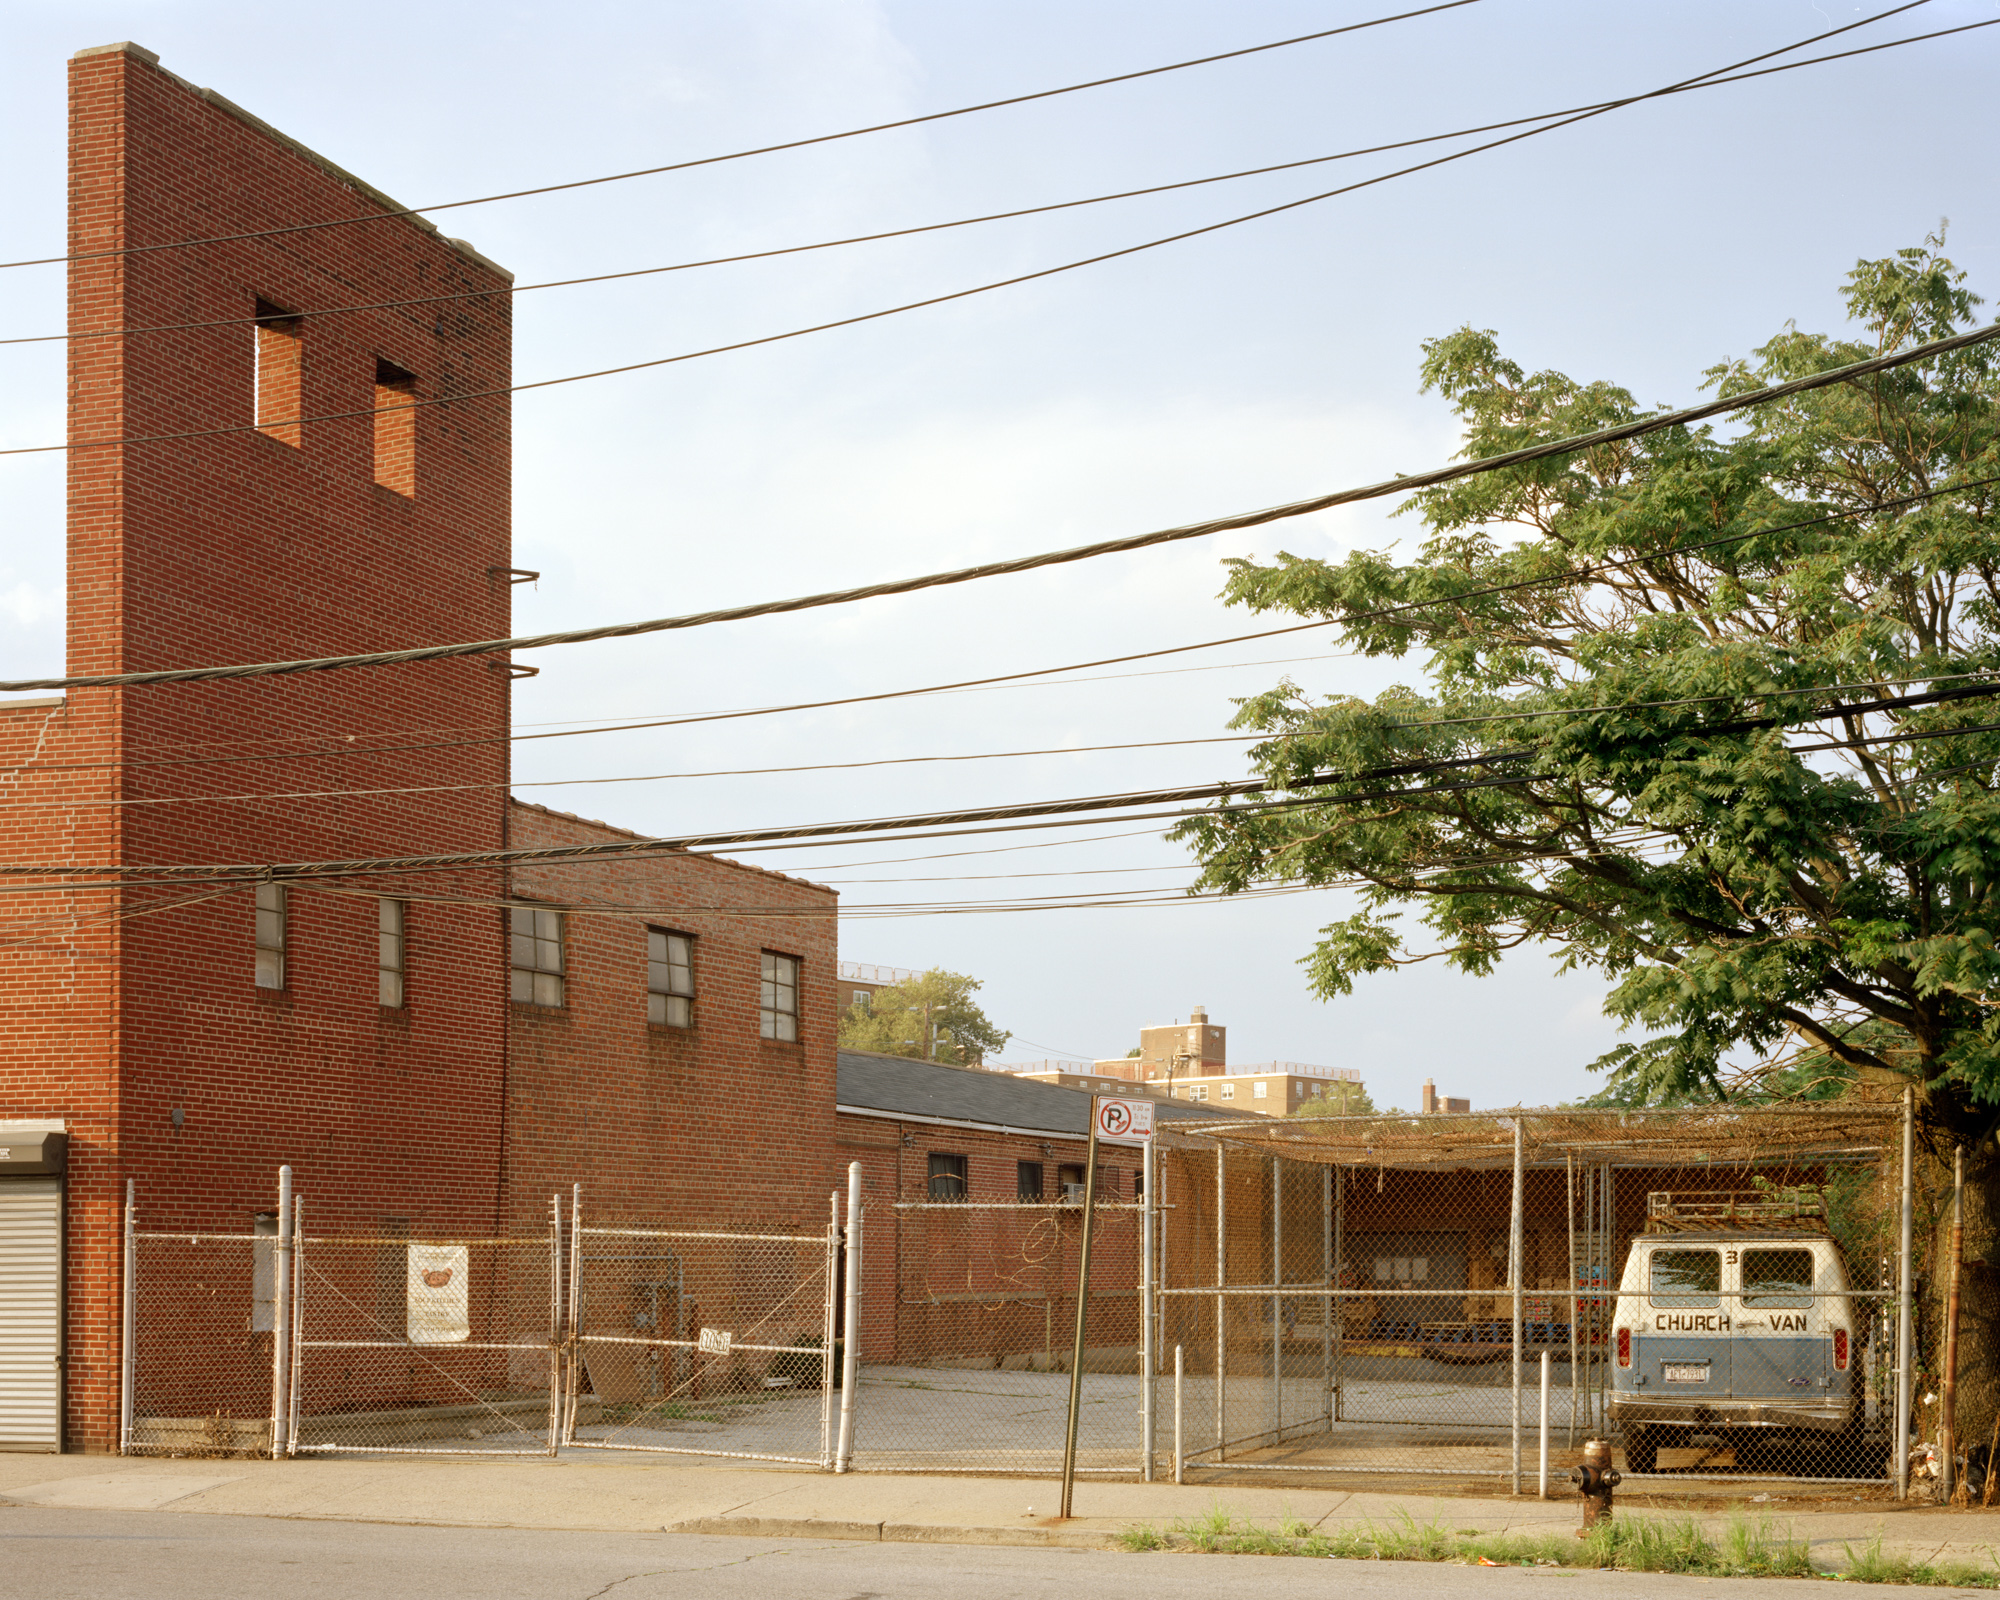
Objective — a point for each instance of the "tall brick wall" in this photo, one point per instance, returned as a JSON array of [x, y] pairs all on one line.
[[240, 546], [658, 1123]]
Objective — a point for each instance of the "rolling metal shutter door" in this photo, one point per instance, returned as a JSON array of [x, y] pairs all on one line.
[[30, 1314]]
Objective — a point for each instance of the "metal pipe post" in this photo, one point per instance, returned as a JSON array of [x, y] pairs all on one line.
[[281, 1315], [1326, 1300], [1569, 1218], [829, 1321], [1515, 1263], [1339, 1266], [1906, 1245], [1082, 1315], [128, 1321], [556, 1412], [1221, 1258], [573, 1331], [1180, 1449], [850, 1355], [298, 1321], [1148, 1306], [1277, 1299], [1948, 1390], [1542, 1473]]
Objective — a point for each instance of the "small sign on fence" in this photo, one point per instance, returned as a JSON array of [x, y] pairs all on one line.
[[713, 1342], [438, 1306]]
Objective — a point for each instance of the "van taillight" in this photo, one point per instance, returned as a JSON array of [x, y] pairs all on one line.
[[1625, 1348], [1840, 1348]]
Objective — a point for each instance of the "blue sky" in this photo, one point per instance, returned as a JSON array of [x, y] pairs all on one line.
[[1251, 366]]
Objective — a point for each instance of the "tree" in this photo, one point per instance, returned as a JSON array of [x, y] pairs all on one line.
[[931, 1018], [1337, 1100], [1682, 773]]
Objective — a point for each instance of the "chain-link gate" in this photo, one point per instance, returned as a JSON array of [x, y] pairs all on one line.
[[973, 1372], [703, 1343], [427, 1346]]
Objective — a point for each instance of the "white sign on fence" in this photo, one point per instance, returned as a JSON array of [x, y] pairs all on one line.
[[713, 1342], [437, 1302], [1124, 1121]]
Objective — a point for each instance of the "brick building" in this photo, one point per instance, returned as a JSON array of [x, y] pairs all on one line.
[[432, 1054]]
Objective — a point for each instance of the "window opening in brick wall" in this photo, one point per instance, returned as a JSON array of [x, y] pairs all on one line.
[[1258, 1090], [1027, 1180], [669, 978], [947, 1176], [778, 998], [1069, 1183], [1229, 1091], [535, 952], [280, 367], [270, 936], [389, 953], [861, 998], [395, 428]]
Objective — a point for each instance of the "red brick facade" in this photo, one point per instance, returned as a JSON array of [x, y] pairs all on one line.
[[133, 1012]]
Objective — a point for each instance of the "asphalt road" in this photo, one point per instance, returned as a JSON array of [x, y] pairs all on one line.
[[113, 1555]]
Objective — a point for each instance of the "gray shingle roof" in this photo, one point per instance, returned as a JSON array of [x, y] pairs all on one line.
[[899, 1085]]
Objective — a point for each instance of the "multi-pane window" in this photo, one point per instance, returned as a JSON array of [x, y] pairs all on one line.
[[270, 936], [947, 1177], [778, 998], [1257, 1090], [1027, 1180], [389, 953], [669, 978], [1229, 1091], [535, 952]]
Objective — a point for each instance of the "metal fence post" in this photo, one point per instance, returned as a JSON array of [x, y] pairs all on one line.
[[830, 1300], [1569, 1218], [850, 1363], [1180, 1450], [1277, 1298], [1339, 1266], [1148, 1286], [1221, 1257], [572, 1365], [298, 1324], [281, 1315], [1326, 1300], [556, 1413], [127, 1364], [1907, 1242], [1516, 1265]]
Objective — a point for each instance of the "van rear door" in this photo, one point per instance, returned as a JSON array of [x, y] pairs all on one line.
[[1683, 1349], [1783, 1347]]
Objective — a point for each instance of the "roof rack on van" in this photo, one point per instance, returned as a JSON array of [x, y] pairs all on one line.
[[1721, 1210]]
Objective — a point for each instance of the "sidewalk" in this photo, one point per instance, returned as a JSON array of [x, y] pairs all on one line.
[[645, 1495]]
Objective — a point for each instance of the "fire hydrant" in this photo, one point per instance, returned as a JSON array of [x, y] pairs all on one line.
[[1595, 1479]]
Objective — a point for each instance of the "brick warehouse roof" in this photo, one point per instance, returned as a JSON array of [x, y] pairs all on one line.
[[899, 1086]]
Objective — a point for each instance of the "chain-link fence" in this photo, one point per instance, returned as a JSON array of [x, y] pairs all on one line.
[[973, 1375], [1713, 1291], [703, 1343]]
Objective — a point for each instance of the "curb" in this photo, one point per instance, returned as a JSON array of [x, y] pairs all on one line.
[[895, 1532]]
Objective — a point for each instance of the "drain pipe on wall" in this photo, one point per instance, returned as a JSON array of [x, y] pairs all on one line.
[[850, 1355]]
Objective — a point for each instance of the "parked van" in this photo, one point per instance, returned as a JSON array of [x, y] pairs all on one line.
[[1734, 1318]]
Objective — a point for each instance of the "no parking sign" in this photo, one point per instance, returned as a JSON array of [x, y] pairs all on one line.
[[1124, 1121]]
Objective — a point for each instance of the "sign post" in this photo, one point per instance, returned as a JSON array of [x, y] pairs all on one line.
[[1113, 1122]]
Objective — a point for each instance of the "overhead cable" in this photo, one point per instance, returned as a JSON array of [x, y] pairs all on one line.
[[1249, 519], [768, 149], [993, 216], [420, 402], [622, 848]]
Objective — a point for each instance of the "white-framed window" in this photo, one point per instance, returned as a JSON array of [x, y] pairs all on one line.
[[271, 917], [1258, 1090], [669, 978], [778, 998], [1198, 1092], [861, 997], [389, 953], [535, 954], [1229, 1091]]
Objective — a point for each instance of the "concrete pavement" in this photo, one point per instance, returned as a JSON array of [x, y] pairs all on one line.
[[590, 1491]]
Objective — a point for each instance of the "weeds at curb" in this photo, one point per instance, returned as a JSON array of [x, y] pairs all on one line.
[[1745, 1549]]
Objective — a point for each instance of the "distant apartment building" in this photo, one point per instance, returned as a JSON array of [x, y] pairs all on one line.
[[1190, 1061], [859, 982], [1433, 1101]]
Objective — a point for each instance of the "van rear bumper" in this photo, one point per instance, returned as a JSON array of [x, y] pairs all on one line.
[[1813, 1416]]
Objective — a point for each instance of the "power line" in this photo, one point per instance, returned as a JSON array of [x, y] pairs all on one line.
[[616, 849], [1249, 519], [768, 149], [73, 804], [995, 216], [932, 300]]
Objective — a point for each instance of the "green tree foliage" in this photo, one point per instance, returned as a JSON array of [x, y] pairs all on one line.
[[1643, 769], [1337, 1100], [937, 1003]]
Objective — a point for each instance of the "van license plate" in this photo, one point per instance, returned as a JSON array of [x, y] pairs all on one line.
[[1688, 1372]]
